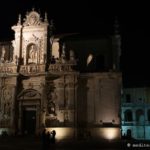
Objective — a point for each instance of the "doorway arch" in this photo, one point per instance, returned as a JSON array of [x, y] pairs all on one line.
[[29, 104]]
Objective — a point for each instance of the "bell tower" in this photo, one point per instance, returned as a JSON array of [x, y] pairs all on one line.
[[31, 39]]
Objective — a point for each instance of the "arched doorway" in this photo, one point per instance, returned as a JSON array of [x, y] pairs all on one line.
[[29, 102], [29, 120]]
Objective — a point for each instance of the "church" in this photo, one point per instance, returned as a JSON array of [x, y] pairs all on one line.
[[67, 83]]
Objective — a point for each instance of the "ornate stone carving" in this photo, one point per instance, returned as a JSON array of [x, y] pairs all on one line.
[[32, 19], [32, 69], [6, 102], [8, 69], [72, 57], [3, 52], [33, 49], [32, 54], [29, 93], [60, 67]]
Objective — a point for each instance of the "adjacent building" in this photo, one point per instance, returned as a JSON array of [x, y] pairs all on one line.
[[135, 114]]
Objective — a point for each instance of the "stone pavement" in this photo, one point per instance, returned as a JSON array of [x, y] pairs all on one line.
[[34, 143]]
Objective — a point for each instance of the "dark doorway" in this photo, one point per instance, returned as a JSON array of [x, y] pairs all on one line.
[[29, 121], [129, 134]]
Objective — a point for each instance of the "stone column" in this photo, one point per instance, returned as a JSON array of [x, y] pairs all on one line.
[[12, 119], [20, 118], [18, 40], [134, 116], [42, 110], [38, 118]]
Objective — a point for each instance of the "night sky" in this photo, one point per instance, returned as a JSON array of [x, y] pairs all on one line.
[[91, 17]]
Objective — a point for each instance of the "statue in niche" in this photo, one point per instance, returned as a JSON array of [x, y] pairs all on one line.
[[66, 116], [3, 54], [51, 108], [72, 56], [32, 54], [63, 55], [7, 97], [51, 104]]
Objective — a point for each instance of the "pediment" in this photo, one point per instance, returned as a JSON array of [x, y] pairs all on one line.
[[32, 19], [29, 94]]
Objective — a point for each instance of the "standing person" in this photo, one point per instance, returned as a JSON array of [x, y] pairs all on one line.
[[48, 140], [53, 133], [53, 136], [44, 141]]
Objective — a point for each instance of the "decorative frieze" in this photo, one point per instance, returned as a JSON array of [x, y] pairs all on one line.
[[32, 69], [8, 69], [60, 68]]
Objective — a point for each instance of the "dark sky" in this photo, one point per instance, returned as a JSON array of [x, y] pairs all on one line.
[[93, 17]]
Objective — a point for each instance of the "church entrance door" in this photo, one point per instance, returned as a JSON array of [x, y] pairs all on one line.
[[29, 121]]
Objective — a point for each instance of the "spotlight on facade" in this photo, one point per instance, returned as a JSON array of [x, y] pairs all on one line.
[[62, 133], [110, 133]]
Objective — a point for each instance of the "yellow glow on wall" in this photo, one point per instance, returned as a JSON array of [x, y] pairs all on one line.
[[108, 133], [62, 133]]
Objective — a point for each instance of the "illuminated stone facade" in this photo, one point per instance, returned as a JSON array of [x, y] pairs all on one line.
[[136, 113], [47, 81]]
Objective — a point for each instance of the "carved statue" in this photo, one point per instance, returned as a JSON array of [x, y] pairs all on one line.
[[32, 54], [72, 57], [51, 108], [63, 55], [3, 54], [6, 102]]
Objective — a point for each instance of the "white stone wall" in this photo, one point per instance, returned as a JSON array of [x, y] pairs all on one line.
[[103, 95]]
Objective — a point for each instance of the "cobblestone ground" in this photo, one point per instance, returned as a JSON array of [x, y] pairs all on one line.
[[34, 143]]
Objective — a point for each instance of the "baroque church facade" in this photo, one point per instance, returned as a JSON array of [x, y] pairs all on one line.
[[72, 85]]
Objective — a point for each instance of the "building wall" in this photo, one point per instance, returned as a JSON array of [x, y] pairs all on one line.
[[54, 93], [135, 112]]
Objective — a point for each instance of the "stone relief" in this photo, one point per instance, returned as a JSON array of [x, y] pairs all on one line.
[[32, 19], [6, 103], [32, 47], [51, 104], [32, 54], [51, 109], [6, 53], [3, 52]]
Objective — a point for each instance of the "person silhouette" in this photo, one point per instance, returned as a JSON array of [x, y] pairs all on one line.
[[53, 136], [48, 140], [52, 140], [44, 140]]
